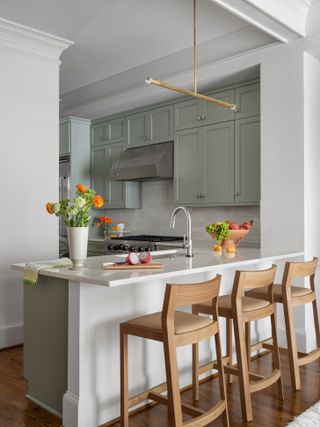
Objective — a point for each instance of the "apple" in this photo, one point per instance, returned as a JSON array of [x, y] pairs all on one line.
[[246, 226], [234, 226]]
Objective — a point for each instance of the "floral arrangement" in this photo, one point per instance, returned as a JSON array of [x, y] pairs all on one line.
[[77, 213], [105, 222]]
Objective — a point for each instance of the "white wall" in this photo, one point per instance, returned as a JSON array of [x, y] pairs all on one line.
[[29, 117]]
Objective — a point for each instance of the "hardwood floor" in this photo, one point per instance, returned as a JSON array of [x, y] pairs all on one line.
[[17, 411]]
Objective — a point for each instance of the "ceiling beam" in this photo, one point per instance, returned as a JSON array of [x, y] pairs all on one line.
[[282, 19]]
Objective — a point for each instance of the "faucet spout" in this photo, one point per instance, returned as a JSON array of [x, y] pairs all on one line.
[[188, 244]]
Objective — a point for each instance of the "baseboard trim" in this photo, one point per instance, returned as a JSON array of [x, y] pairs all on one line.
[[43, 406], [11, 335], [305, 340]]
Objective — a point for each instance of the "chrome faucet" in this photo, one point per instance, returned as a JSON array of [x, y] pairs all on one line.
[[187, 243]]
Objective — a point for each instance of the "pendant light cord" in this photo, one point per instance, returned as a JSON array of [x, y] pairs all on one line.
[[194, 47]]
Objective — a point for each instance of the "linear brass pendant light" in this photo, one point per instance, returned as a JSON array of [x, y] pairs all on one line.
[[193, 93]]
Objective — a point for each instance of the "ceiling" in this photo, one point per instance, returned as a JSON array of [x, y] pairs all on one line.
[[114, 36]]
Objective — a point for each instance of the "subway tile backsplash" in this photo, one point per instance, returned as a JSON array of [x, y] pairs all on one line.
[[157, 206]]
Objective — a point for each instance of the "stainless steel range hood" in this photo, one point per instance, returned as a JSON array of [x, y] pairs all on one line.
[[144, 163]]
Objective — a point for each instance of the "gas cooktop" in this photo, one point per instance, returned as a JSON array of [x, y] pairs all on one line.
[[149, 238]]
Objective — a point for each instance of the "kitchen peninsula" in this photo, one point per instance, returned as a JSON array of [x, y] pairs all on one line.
[[72, 328]]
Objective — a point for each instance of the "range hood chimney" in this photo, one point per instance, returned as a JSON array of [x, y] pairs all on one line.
[[144, 163]]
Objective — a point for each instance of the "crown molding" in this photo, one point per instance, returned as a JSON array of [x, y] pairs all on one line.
[[261, 18], [28, 41], [110, 90]]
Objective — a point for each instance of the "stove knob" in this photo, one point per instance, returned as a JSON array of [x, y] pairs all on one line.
[[148, 249], [117, 248], [132, 249], [126, 248], [141, 249], [110, 247], [121, 247]]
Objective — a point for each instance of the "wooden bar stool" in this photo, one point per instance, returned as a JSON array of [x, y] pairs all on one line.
[[242, 310], [292, 296], [174, 329]]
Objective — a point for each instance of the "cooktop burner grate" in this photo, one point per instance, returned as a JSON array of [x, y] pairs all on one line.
[[149, 238]]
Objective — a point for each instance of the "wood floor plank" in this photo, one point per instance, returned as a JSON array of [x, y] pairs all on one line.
[[17, 411]]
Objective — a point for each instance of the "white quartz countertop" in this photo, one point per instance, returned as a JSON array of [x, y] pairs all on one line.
[[174, 265]]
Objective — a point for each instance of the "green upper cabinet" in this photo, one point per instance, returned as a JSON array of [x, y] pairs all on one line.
[[187, 166], [218, 164], [109, 132], [187, 114], [150, 127], [64, 138], [117, 194], [214, 113], [160, 125], [248, 100], [247, 160], [194, 113]]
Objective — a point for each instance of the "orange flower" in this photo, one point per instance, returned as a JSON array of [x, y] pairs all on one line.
[[98, 201], [108, 220], [50, 208], [81, 188], [102, 219]]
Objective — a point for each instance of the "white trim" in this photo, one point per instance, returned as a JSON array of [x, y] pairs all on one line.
[[305, 339], [43, 406], [11, 334], [260, 19], [18, 38]]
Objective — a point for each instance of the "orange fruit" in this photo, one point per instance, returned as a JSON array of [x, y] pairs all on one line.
[[217, 248], [231, 249]]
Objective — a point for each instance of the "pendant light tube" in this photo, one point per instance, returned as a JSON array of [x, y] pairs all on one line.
[[193, 93]]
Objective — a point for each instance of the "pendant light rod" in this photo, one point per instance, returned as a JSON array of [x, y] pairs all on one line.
[[194, 47], [193, 93]]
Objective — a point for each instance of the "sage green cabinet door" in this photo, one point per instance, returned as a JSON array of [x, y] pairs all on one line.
[[160, 125], [247, 160], [116, 189], [187, 114], [218, 164], [137, 130], [187, 168], [99, 170], [116, 130], [214, 113], [99, 133], [64, 138], [248, 100]]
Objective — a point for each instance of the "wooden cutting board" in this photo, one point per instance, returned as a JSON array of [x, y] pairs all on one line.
[[152, 266]]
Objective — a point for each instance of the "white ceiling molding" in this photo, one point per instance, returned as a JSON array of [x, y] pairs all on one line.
[[28, 41], [108, 90], [260, 18]]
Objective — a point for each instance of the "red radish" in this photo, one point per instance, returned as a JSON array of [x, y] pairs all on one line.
[[133, 259], [234, 226], [145, 257], [246, 226]]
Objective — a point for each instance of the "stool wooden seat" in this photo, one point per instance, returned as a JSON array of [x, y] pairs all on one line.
[[291, 296], [241, 310], [176, 328]]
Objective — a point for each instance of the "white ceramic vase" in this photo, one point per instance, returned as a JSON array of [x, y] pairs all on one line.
[[78, 245]]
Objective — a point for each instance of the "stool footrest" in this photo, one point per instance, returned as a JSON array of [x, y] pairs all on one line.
[[208, 416], [141, 397], [188, 409], [266, 381], [308, 358]]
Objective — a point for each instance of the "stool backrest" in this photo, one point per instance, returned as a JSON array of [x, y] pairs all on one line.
[[253, 279], [177, 295], [300, 269]]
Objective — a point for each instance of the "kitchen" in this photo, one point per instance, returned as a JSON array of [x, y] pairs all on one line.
[[286, 75]]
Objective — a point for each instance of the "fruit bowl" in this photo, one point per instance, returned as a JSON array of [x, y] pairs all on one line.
[[234, 238]]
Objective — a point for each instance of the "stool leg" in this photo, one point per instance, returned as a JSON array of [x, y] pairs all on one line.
[[174, 400], [229, 347], [124, 378], [195, 372], [275, 354], [316, 321], [244, 384], [292, 343], [223, 394], [248, 342]]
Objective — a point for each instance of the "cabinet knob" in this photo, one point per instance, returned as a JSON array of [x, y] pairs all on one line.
[[199, 118], [116, 173], [236, 194], [203, 117], [105, 138], [145, 138]]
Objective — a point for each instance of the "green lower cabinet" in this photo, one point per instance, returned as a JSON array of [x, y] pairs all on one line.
[[117, 194], [247, 160]]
